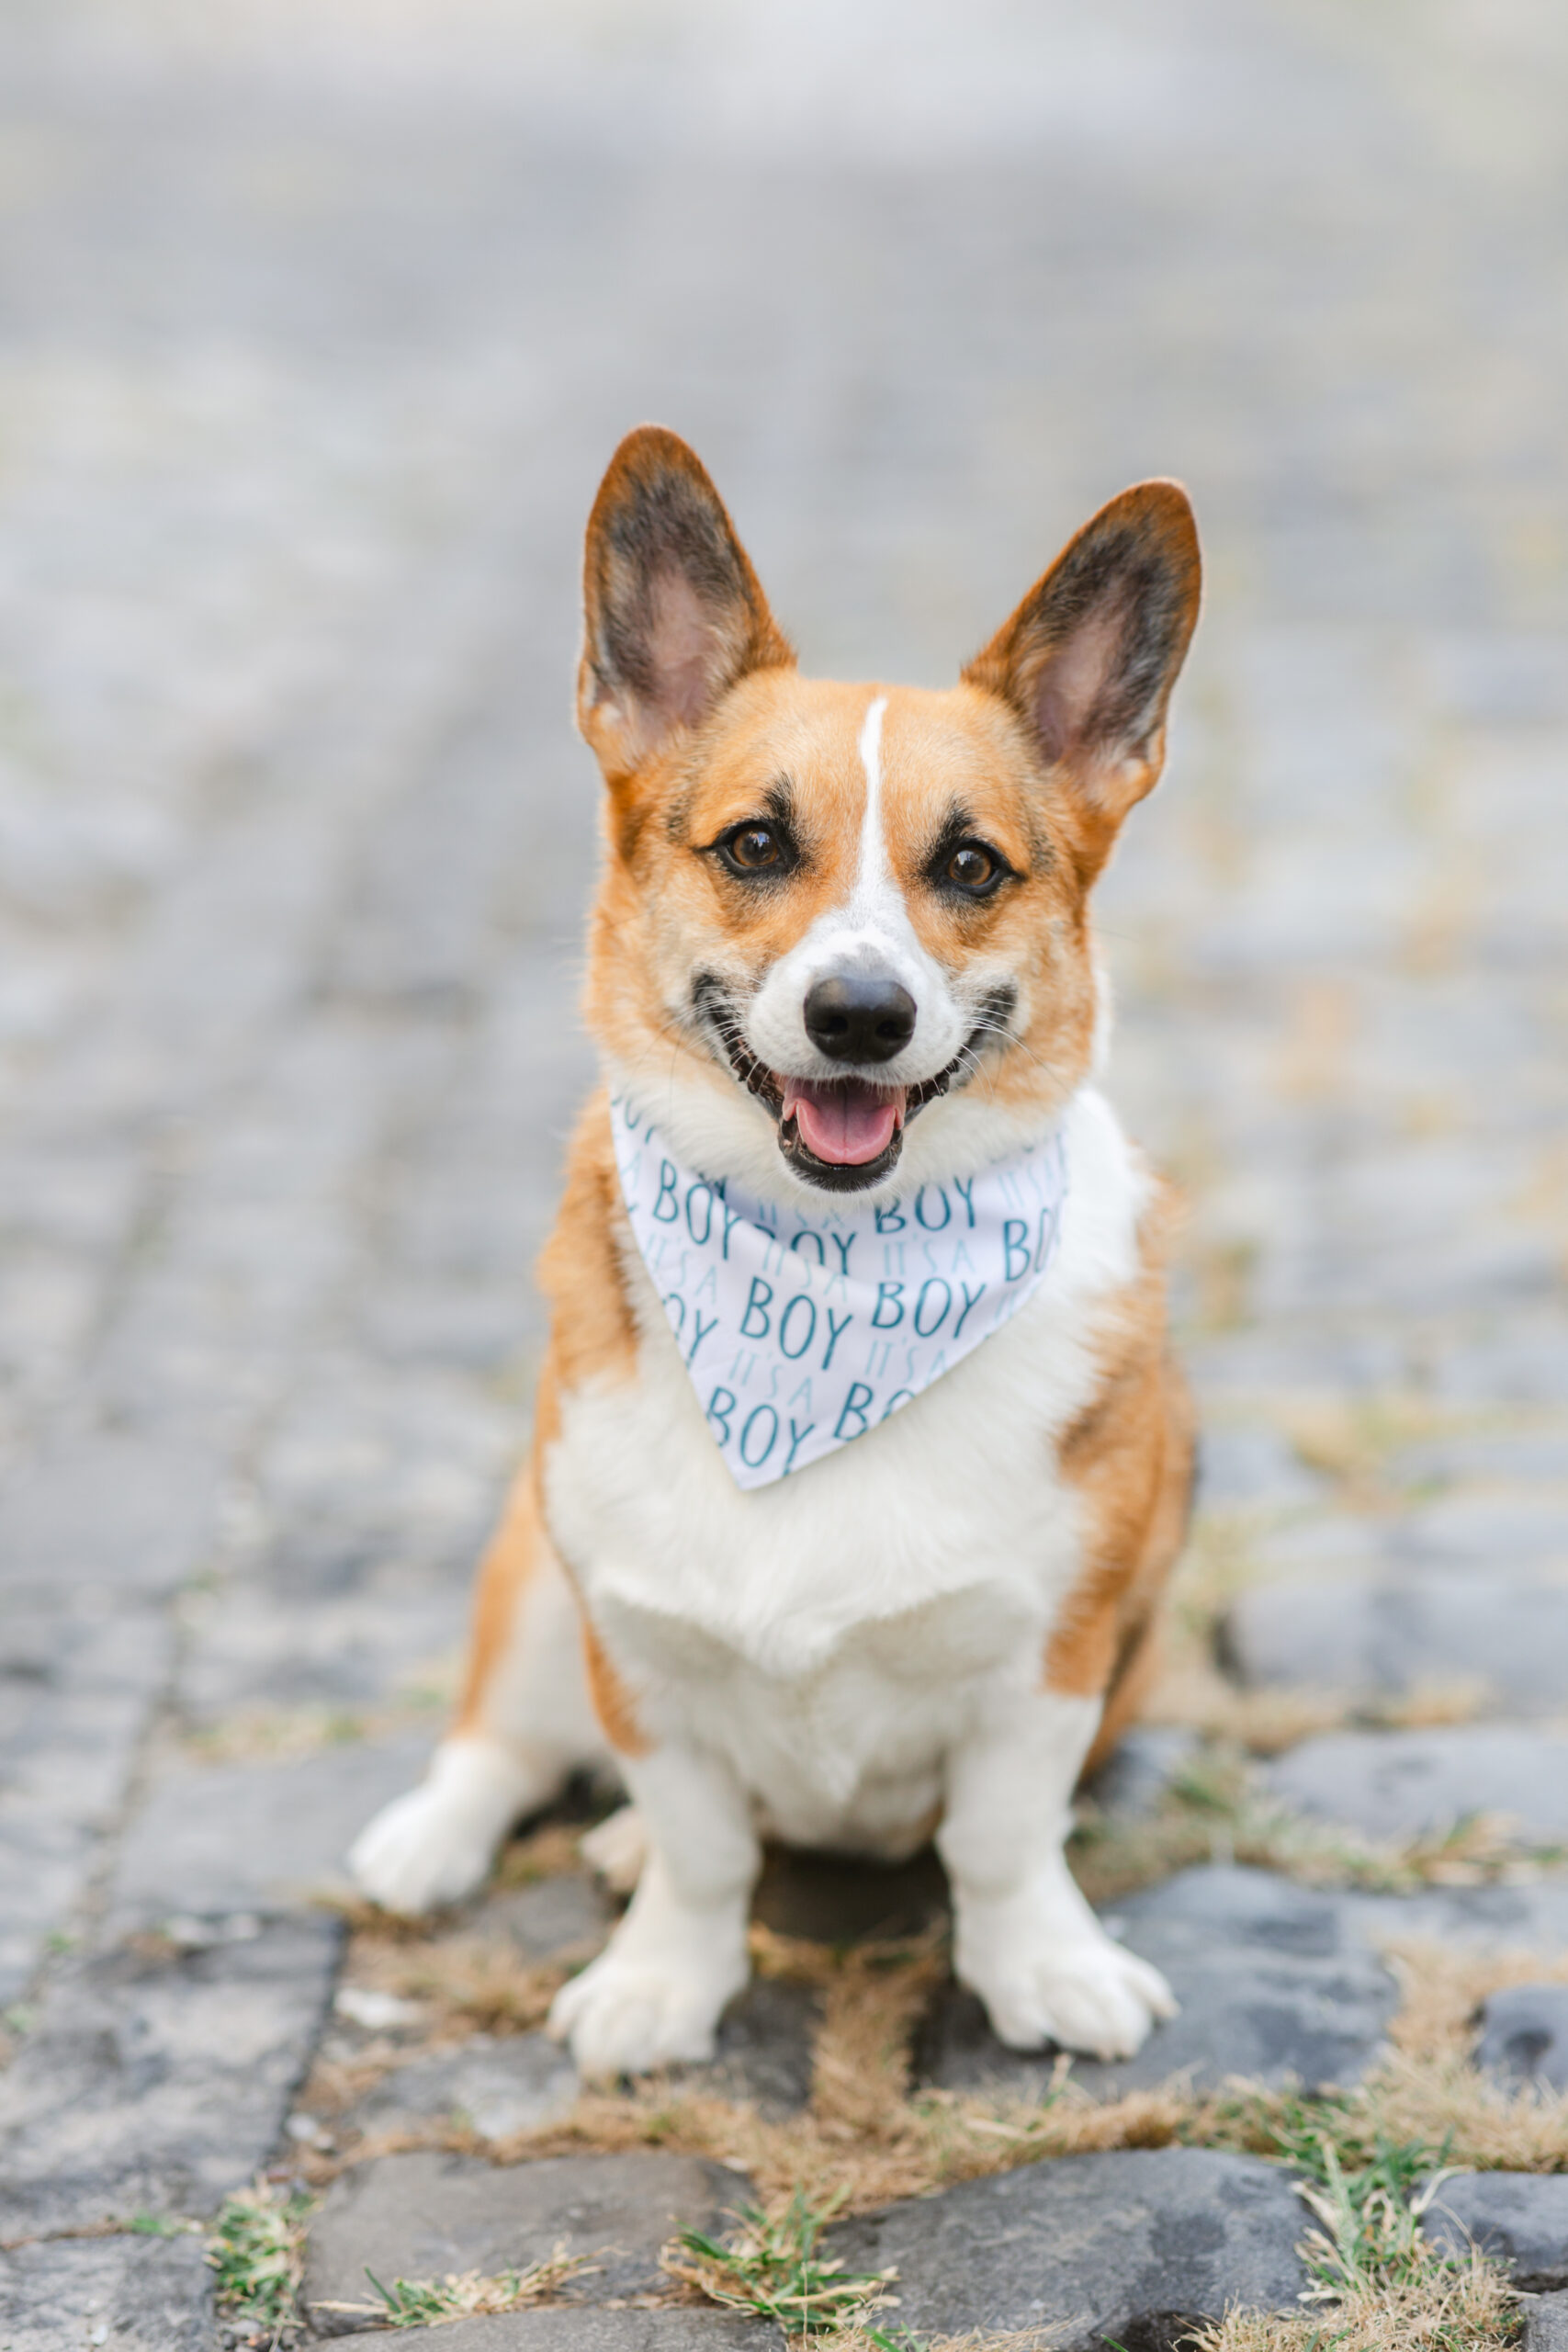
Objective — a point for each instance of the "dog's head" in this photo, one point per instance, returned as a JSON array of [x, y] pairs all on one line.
[[831, 911]]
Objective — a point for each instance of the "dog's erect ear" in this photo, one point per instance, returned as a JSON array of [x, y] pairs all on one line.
[[672, 611], [1089, 657]]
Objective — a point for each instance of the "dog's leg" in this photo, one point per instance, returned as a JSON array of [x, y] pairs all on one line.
[[1025, 1938], [656, 1992], [524, 1724]]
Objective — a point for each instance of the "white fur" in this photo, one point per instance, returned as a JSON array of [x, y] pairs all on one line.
[[655, 1993], [1026, 1941], [871, 867]]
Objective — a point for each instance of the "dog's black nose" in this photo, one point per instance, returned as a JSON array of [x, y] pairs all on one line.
[[860, 1017]]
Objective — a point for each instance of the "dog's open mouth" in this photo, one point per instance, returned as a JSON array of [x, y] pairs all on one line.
[[842, 1122], [841, 1134]]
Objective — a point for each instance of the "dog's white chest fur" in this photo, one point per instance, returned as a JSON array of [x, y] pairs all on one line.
[[831, 1635]]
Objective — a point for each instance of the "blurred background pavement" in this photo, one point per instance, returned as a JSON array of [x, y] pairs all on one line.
[[318, 322]]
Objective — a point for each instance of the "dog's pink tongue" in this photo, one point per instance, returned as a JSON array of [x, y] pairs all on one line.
[[844, 1124]]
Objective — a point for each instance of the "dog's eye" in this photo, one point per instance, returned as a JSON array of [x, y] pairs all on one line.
[[973, 868], [753, 849]]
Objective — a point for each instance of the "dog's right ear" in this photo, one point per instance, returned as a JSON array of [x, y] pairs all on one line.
[[672, 611]]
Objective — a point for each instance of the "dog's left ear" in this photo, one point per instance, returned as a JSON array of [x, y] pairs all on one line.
[[1088, 658], [673, 614]]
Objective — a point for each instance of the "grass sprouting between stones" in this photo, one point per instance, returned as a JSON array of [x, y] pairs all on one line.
[[470, 2294], [1378, 2285], [771, 2266], [256, 2249]]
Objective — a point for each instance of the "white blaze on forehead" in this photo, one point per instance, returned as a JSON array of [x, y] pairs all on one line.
[[872, 864], [873, 920]]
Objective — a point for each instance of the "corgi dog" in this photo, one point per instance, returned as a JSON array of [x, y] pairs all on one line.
[[859, 1459]]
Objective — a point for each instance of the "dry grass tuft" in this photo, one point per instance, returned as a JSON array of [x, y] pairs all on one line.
[[1439, 2308], [770, 2268], [1426, 2088], [1350, 1439], [1197, 1697], [470, 2294], [469, 1982], [1193, 1695], [1441, 1990], [872, 2004], [284, 1734]]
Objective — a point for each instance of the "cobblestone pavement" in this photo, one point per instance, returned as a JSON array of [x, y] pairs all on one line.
[[319, 323]]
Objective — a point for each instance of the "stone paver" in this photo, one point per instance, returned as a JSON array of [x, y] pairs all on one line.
[[1521, 2217], [1130, 2245], [1524, 2035], [140, 2294], [1504, 1637], [313, 350], [1405, 1784], [1546, 2323], [158, 2077], [225, 1838], [420, 2216], [495, 2088]]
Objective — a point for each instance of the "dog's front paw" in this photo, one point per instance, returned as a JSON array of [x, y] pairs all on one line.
[[1088, 1996], [435, 1845], [630, 2011], [413, 1856]]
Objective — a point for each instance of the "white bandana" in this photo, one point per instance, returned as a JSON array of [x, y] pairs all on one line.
[[802, 1330]]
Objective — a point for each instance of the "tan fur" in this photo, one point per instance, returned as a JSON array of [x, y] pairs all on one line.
[[1130, 1455], [593, 1338], [593, 1335], [510, 1559], [613, 1701]]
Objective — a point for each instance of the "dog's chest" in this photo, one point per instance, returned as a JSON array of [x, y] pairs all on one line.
[[835, 1632], [934, 1548]]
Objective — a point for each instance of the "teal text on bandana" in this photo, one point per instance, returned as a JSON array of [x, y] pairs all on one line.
[[800, 1331]]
